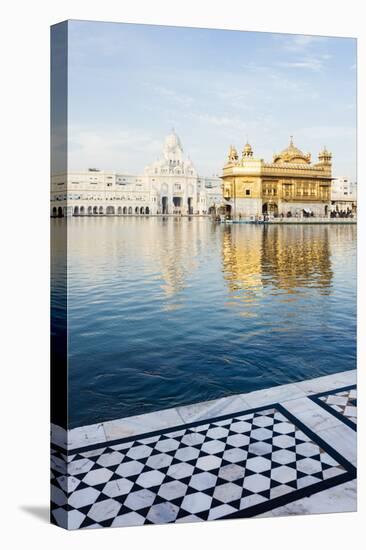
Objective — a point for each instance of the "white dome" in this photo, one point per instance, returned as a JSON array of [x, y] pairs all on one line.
[[172, 142]]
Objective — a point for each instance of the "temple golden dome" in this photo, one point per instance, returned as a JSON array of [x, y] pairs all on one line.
[[292, 154]]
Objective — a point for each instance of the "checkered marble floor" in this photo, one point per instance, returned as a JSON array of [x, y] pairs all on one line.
[[238, 465], [342, 403]]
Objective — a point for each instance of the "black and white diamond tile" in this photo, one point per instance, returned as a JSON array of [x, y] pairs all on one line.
[[234, 466], [341, 403]]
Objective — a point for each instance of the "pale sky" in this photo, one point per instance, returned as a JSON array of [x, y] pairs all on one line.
[[130, 84]]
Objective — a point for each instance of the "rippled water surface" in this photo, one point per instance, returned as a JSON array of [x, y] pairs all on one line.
[[171, 312]]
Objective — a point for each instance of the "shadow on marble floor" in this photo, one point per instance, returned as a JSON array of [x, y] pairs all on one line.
[[40, 512]]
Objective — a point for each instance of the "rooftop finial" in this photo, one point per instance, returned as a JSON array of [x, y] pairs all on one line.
[[291, 140]]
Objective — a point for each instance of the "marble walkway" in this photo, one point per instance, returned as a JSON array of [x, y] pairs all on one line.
[[285, 450]]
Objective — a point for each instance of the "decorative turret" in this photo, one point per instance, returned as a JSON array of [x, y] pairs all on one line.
[[233, 154], [247, 151], [325, 157]]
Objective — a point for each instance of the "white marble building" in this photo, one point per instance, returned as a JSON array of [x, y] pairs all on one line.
[[170, 185], [343, 194]]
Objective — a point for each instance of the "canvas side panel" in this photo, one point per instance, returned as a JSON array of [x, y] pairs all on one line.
[[58, 204]]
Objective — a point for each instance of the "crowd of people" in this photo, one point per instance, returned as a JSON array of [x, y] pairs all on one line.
[[342, 213]]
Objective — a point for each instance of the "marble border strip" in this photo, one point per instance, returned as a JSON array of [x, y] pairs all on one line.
[[330, 409], [105, 432]]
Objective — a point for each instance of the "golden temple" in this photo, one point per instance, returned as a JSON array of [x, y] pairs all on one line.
[[290, 185]]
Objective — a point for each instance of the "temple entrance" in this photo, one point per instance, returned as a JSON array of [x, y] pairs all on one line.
[[164, 205], [190, 205], [227, 210], [177, 204], [270, 209]]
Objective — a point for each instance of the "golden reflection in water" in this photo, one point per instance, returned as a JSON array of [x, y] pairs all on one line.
[[242, 259], [294, 258], [287, 258]]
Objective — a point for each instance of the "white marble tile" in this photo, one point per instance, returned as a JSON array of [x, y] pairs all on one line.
[[203, 481], [95, 477], [129, 520], [150, 479], [342, 498], [258, 464], [165, 512], [86, 435], [257, 483], [110, 459], [160, 460], [140, 499], [228, 492], [329, 382], [208, 463], [314, 417], [277, 394], [166, 445], [74, 519], [212, 409], [172, 490], [83, 497], [106, 509], [131, 468], [283, 474], [221, 511], [81, 466], [139, 451], [343, 439], [213, 447], [196, 502], [191, 518], [187, 453], [117, 488], [230, 472], [180, 470], [138, 425]]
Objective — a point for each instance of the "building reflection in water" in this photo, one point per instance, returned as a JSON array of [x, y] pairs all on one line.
[[165, 251], [279, 260]]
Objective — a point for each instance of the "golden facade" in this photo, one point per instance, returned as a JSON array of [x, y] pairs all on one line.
[[290, 185]]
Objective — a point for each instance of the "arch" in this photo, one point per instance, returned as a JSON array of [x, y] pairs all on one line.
[[76, 211], [270, 208], [190, 205], [101, 211], [142, 211], [124, 210], [119, 210], [136, 210], [110, 210], [82, 210], [130, 210], [59, 212], [326, 210], [95, 210], [90, 210], [54, 211], [147, 210], [164, 205]]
